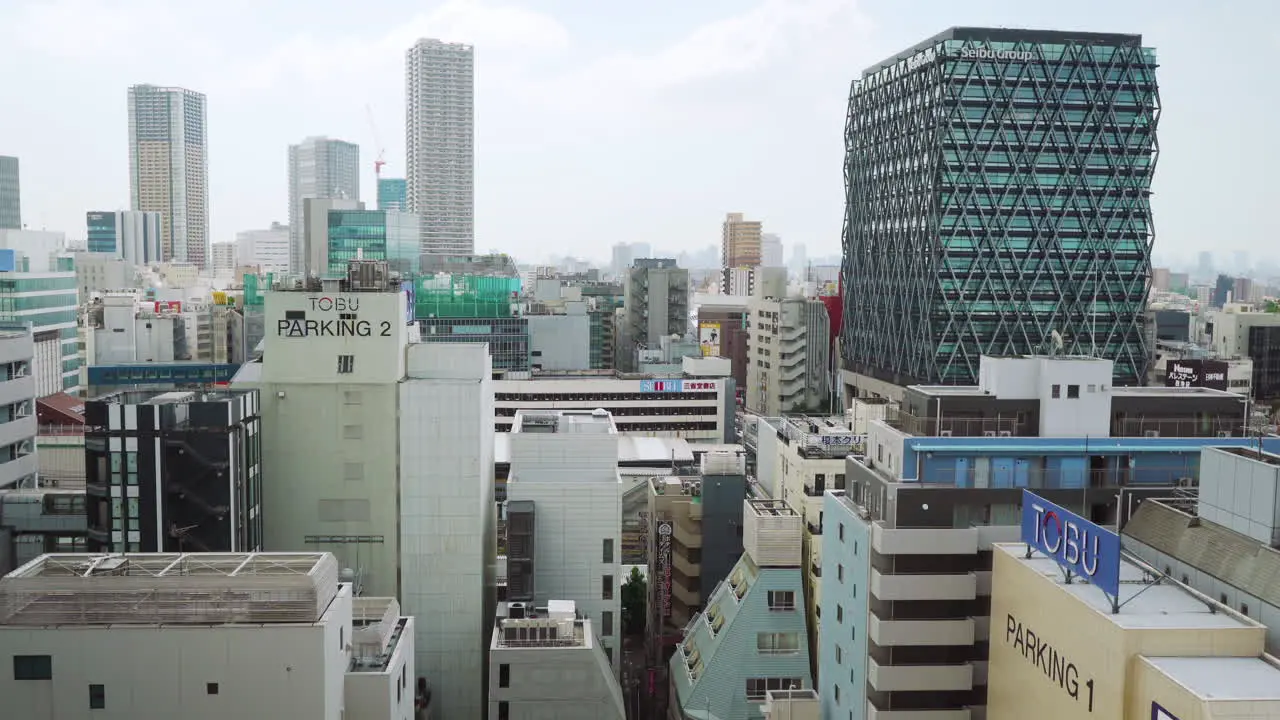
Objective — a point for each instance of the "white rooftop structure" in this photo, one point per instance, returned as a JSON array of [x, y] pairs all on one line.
[[169, 589], [594, 422], [1223, 678]]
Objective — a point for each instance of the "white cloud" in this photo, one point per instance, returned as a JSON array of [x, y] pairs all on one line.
[[105, 30]]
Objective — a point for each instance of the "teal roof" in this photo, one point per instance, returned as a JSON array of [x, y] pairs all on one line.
[[721, 646]]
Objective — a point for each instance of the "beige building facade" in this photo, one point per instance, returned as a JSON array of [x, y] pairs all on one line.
[[1059, 652]]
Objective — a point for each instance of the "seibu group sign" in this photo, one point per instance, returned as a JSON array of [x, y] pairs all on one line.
[[1082, 548]]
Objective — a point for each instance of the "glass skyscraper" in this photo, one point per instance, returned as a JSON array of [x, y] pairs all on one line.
[[997, 202], [393, 194], [130, 235], [168, 167], [373, 235], [10, 194], [319, 168]]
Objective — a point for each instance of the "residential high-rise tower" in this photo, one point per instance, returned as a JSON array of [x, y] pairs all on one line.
[[168, 167], [440, 144], [10, 194], [740, 242], [998, 185], [319, 167]]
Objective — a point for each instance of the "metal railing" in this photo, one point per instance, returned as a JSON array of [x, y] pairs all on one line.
[[955, 426], [1017, 475], [1179, 427]]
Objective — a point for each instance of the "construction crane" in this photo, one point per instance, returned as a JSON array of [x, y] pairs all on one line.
[[377, 140]]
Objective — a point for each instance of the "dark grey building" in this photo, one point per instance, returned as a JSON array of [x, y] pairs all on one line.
[[998, 185], [174, 472], [10, 194]]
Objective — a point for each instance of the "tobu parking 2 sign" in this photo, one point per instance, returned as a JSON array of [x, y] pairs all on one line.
[[1079, 546]]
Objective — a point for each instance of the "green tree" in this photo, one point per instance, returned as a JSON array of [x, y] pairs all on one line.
[[634, 596], [1272, 307]]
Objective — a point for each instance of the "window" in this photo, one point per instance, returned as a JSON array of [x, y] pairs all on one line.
[[1244, 608], [839, 572], [97, 697], [839, 613], [841, 532], [836, 689], [504, 675], [1222, 598], [606, 587], [342, 636], [1056, 391], [606, 622], [1184, 579], [504, 710], [757, 687], [32, 667], [855, 547], [839, 655], [1073, 391], [346, 363], [211, 688], [780, 600], [777, 643], [608, 653], [606, 552]]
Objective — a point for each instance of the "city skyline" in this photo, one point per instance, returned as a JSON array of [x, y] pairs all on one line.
[[551, 104]]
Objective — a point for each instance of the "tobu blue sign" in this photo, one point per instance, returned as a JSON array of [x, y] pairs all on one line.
[[1079, 546]]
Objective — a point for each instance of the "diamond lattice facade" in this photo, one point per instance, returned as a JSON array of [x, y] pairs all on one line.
[[997, 191]]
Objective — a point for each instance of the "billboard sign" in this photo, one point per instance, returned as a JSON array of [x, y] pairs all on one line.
[[709, 338], [1079, 546], [1210, 374], [677, 385], [664, 568]]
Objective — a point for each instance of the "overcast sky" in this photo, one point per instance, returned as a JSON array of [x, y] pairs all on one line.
[[597, 121]]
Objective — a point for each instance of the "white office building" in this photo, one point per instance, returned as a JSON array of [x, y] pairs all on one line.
[[440, 143], [266, 249], [548, 662], [235, 635], [564, 472], [38, 287], [381, 453], [223, 256], [321, 168], [18, 464], [696, 409], [771, 251], [129, 235], [168, 167]]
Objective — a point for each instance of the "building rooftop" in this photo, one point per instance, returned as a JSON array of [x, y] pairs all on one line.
[[169, 589], [578, 422], [652, 452], [1229, 556], [167, 397], [556, 626], [377, 627], [1144, 603], [771, 508], [1223, 678], [1008, 35]]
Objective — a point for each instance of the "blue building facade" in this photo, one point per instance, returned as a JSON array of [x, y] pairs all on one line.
[[373, 235], [846, 589], [750, 639]]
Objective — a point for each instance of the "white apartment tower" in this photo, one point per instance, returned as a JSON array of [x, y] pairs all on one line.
[[440, 143], [168, 167], [319, 167]]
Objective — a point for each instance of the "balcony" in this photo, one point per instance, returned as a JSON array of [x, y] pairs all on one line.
[[984, 581], [1178, 427], [919, 678], [956, 426], [889, 633], [924, 541], [18, 468], [17, 389], [874, 713], [682, 563], [924, 587], [687, 533], [17, 430]]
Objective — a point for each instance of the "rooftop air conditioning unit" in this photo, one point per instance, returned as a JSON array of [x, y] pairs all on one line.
[[1151, 433], [988, 433], [944, 433], [1186, 482], [1224, 433], [1006, 433]]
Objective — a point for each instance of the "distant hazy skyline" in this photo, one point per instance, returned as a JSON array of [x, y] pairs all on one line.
[[596, 122]]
